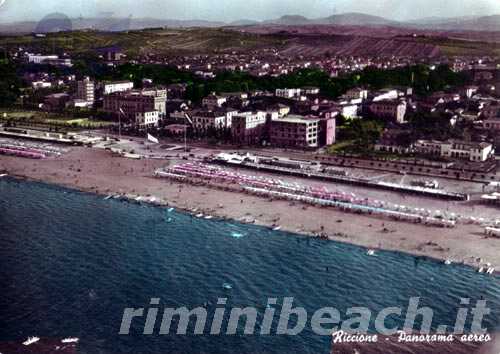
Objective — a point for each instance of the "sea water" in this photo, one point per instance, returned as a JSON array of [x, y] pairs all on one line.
[[71, 262]]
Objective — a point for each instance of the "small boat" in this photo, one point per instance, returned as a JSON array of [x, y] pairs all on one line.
[[3, 175], [169, 220], [480, 270], [236, 235], [108, 197], [31, 340], [169, 210], [490, 270], [370, 253], [277, 228], [209, 217], [447, 262], [70, 340], [200, 215], [227, 286]]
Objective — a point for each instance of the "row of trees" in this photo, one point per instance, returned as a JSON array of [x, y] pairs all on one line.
[[9, 84], [423, 79]]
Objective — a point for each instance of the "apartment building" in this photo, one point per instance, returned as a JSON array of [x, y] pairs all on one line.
[[247, 128], [129, 103]]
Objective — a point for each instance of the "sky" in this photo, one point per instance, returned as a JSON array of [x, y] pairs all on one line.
[[230, 10]]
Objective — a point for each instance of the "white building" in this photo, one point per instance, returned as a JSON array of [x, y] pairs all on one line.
[[247, 127], [295, 131], [356, 94], [288, 93], [214, 101], [85, 90], [118, 86], [49, 60], [41, 84], [203, 120], [472, 151], [385, 94], [41, 59], [144, 119]]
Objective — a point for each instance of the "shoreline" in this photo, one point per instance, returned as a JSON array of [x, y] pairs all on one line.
[[166, 205], [463, 245]]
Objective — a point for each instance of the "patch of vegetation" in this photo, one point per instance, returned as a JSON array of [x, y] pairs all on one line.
[[150, 41], [461, 47]]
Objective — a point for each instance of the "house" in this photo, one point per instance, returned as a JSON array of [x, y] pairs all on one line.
[[204, 120], [492, 124], [389, 109], [429, 147], [310, 90], [356, 94], [456, 149], [280, 109], [213, 101], [112, 53], [472, 151], [288, 93]]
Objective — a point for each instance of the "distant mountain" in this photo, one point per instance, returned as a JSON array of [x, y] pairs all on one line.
[[347, 19], [435, 20], [483, 23], [244, 22], [465, 23], [112, 24], [289, 20], [355, 19]]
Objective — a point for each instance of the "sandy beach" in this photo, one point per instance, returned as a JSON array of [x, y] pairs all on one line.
[[98, 171]]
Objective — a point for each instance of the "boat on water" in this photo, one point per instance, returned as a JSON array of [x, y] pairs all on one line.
[[490, 270], [108, 197], [209, 217], [447, 262], [277, 228], [370, 252], [169, 210], [237, 234], [227, 286], [31, 340], [200, 215], [70, 340], [3, 175], [480, 270]]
